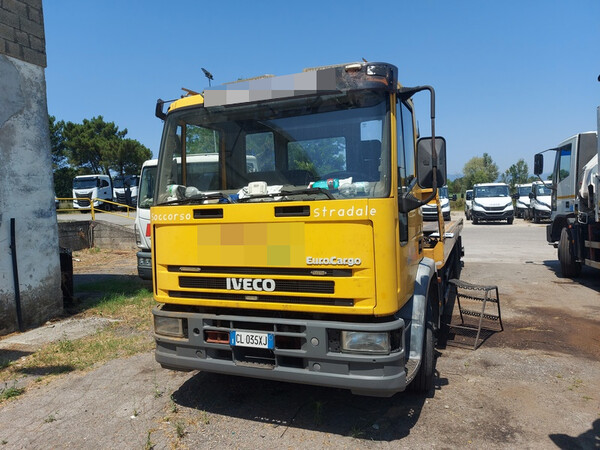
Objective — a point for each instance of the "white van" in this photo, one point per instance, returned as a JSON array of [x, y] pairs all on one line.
[[88, 187], [523, 191], [145, 198], [468, 203], [492, 201], [430, 209], [540, 203]]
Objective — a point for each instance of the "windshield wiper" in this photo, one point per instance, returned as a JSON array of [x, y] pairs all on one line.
[[286, 193], [198, 197]]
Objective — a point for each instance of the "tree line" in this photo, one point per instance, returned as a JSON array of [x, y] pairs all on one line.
[[91, 147], [482, 169]]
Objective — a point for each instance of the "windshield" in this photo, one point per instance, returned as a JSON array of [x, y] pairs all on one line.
[[541, 189], [85, 183], [300, 147], [147, 182], [121, 182], [490, 191], [524, 191], [444, 192]]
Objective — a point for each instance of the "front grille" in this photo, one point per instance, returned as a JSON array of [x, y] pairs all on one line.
[[121, 198], [251, 296], [310, 286], [265, 271], [83, 199], [494, 208]]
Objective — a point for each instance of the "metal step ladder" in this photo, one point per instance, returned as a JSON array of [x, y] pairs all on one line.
[[472, 300]]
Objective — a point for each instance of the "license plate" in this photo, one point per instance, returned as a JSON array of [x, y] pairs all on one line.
[[251, 339]]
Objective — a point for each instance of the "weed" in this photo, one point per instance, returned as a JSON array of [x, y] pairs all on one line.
[[135, 413], [50, 418], [174, 407], [180, 430], [318, 417], [204, 417], [157, 392], [357, 432], [10, 392], [149, 445]]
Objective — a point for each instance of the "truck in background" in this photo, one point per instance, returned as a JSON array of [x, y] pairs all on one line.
[[522, 200], [316, 268], [491, 202], [540, 201], [575, 202], [125, 189], [143, 234], [468, 203], [430, 210], [88, 187]]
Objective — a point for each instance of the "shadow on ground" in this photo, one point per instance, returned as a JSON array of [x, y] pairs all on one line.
[[92, 288], [288, 405], [588, 278]]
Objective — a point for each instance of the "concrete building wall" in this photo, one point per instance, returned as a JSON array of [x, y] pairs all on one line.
[[26, 185]]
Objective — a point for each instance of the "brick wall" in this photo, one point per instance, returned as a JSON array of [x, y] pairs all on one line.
[[22, 31]]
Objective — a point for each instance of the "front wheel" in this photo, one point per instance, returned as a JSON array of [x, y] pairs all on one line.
[[510, 220], [424, 380], [568, 266]]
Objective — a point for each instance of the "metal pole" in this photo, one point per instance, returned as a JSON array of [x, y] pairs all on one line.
[[13, 249]]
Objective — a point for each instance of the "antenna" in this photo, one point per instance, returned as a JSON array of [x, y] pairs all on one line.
[[207, 74]]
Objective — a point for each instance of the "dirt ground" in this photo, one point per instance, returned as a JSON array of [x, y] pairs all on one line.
[[533, 385]]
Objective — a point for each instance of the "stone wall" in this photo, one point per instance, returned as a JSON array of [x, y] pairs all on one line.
[[26, 185]]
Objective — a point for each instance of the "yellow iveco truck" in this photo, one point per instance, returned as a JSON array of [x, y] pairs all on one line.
[[301, 254]]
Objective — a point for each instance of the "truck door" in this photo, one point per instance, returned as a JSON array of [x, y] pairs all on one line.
[[564, 174], [410, 230]]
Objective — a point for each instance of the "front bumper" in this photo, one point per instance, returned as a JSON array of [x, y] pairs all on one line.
[[306, 351], [144, 264], [543, 213], [492, 215]]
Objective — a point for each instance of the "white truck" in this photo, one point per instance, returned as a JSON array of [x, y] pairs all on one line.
[[125, 189], [430, 210], [491, 202], [145, 199], [522, 206], [87, 187], [575, 202], [468, 203], [540, 201]]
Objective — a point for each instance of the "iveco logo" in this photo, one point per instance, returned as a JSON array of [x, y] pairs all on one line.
[[250, 284]]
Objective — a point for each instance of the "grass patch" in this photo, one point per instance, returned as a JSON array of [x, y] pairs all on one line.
[[130, 307], [10, 392]]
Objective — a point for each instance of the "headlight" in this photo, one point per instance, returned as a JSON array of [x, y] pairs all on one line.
[[363, 342], [170, 326]]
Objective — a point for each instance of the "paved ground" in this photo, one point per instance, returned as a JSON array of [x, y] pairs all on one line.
[[115, 217], [535, 385]]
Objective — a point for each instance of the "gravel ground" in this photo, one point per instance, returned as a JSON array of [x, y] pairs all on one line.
[[534, 385]]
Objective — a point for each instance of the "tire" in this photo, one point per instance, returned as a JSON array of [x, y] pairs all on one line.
[[569, 268], [536, 218], [424, 380], [475, 220], [447, 217], [510, 220]]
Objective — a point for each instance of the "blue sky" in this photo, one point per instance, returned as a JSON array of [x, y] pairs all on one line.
[[512, 77]]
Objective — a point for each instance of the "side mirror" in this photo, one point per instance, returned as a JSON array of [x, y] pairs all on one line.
[[538, 164], [516, 196], [453, 197], [425, 161], [532, 195]]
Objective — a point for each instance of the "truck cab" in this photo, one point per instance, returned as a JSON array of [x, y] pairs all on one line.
[[492, 202], [88, 188], [522, 200], [125, 189], [143, 233], [540, 201], [301, 255], [468, 203]]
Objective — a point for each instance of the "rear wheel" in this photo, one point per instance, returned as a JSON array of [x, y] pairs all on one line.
[[568, 266]]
